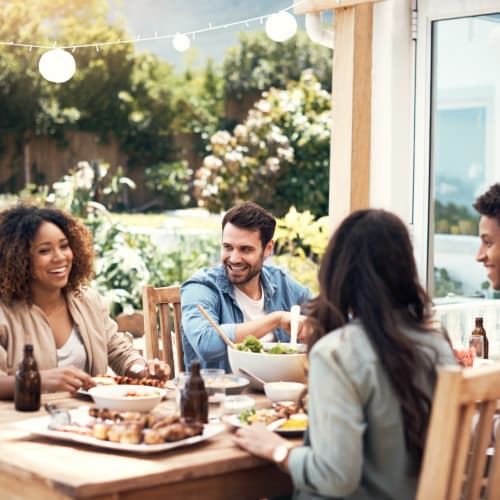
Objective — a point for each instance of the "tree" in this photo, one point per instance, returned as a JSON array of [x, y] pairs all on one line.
[[256, 64], [114, 93]]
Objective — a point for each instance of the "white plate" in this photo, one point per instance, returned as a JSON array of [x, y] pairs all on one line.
[[236, 422], [38, 426]]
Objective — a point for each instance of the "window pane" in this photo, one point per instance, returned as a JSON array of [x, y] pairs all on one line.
[[465, 155]]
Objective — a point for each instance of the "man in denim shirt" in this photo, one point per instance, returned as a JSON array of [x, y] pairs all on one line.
[[244, 296]]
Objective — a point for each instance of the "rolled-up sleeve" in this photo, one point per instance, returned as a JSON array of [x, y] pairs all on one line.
[[203, 338]]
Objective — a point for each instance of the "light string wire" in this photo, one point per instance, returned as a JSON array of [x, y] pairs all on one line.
[[97, 45]]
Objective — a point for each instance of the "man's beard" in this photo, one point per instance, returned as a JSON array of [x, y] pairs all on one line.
[[252, 272]]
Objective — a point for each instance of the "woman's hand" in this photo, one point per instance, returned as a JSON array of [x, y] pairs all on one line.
[[151, 369], [258, 440], [157, 369], [67, 378]]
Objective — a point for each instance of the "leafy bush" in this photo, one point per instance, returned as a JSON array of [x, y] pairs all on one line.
[[278, 157], [444, 284], [300, 241]]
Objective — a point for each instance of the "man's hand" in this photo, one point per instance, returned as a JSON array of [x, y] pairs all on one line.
[[302, 332]]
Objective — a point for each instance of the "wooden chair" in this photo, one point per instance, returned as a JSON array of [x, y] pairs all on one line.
[[460, 460], [163, 303]]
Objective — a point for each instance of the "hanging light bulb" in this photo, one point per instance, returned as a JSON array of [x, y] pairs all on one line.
[[281, 26], [181, 42], [57, 65]]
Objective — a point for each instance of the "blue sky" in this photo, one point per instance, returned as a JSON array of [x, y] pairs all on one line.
[[145, 17]]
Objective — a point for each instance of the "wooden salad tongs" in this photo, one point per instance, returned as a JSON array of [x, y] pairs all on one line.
[[217, 328]]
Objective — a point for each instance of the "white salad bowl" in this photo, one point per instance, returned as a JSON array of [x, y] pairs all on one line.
[[269, 367]]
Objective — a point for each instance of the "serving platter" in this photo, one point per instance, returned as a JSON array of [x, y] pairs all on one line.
[[39, 426]]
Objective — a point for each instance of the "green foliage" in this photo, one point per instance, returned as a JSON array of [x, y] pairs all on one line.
[[114, 92], [255, 64], [300, 241], [278, 157], [444, 284], [172, 182], [454, 219], [127, 261], [88, 184]]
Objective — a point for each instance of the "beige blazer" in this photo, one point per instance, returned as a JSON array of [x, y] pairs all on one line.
[[21, 323]]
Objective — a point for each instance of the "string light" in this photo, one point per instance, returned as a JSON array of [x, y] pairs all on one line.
[[180, 41], [57, 65], [281, 26]]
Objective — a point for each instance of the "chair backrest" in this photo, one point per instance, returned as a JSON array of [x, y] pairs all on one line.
[[163, 342], [462, 456]]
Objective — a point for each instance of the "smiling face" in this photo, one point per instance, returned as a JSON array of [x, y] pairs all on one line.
[[489, 251], [52, 258], [242, 254]]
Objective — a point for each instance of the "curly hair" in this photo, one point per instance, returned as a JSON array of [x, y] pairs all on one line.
[[18, 228], [488, 203], [368, 271]]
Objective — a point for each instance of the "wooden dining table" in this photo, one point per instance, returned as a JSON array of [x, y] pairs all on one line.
[[34, 467]]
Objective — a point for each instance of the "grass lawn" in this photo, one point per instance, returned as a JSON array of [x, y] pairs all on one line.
[[185, 219]]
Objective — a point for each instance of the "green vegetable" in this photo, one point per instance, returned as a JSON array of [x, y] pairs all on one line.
[[251, 344], [245, 415], [280, 349]]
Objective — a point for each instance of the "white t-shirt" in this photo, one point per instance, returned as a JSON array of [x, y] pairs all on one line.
[[72, 352], [252, 309]]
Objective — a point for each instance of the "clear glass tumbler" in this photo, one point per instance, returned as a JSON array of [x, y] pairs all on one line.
[[216, 389], [477, 341], [179, 382]]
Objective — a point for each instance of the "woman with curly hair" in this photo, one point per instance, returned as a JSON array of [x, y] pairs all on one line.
[[46, 263], [373, 352]]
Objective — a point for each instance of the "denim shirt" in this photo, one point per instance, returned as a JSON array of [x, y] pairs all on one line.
[[211, 288]]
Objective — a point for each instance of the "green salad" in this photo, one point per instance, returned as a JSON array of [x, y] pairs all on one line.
[[253, 344]]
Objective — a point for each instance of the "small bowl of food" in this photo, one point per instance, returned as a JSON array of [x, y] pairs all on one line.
[[127, 397], [238, 403], [284, 391]]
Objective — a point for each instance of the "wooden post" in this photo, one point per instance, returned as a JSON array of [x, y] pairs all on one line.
[[351, 103], [351, 96]]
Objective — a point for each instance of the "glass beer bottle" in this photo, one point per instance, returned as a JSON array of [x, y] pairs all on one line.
[[27, 388], [479, 331], [194, 397]]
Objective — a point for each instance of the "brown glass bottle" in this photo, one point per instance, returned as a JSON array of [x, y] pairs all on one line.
[[479, 330], [27, 388], [194, 397]]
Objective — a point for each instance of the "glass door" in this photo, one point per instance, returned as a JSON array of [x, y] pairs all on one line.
[[457, 155]]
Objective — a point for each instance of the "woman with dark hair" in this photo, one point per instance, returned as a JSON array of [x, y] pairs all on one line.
[[46, 261], [373, 352]]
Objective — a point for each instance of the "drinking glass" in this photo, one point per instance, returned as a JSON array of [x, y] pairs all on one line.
[[477, 341], [216, 390], [179, 383]]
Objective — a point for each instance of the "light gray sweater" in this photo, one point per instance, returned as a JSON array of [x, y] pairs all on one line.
[[355, 446]]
